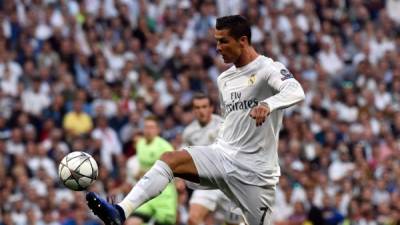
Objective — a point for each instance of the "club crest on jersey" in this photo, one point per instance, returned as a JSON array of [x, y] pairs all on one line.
[[252, 80]]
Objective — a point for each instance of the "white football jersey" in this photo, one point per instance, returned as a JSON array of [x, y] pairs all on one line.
[[195, 134], [251, 149]]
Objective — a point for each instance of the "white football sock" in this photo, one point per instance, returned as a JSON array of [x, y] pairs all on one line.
[[148, 187]]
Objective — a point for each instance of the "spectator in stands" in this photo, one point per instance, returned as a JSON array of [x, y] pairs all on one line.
[[77, 122]]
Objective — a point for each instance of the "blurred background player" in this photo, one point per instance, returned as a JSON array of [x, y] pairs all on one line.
[[201, 132], [149, 148]]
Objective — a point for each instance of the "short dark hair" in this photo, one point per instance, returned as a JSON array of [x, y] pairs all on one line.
[[237, 25], [200, 95]]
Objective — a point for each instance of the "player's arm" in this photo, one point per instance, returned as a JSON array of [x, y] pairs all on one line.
[[289, 92]]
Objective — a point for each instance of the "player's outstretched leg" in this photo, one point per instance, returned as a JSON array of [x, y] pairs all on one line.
[[109, 213], [178, 163]]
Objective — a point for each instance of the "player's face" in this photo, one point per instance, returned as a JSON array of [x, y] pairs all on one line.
[[150, 129], [202, 110], [229, 48]]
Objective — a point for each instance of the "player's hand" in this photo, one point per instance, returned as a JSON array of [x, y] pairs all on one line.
[[260, 113]]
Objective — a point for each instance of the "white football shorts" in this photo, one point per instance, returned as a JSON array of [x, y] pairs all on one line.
[[254, 201], [216, 201]]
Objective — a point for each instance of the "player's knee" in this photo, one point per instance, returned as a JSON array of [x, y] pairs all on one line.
[[170, 159], [181, 165]]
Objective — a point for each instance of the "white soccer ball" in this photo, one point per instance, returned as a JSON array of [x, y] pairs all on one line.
[[78, 170]]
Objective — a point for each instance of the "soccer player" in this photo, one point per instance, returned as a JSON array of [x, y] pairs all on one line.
[[202, 132], [243, 162], [149, 148]]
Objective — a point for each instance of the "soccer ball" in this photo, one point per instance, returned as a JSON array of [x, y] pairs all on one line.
[[78, 170]]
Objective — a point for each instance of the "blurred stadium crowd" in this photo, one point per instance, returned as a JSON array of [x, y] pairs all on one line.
[[83, 74]]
